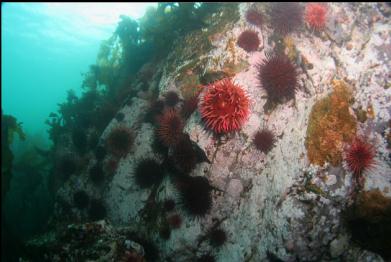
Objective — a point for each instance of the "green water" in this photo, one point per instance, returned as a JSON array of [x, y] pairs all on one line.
[[46, 49]]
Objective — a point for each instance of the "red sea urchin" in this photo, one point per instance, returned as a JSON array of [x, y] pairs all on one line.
[[264, 140], [278, 77], [254, 17], [287, 16], [249, 41], [120, 141], [170, 127], [315, 15], [225, 106], [360, 156]]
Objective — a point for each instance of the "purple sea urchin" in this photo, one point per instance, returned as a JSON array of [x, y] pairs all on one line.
[[264, 140], [158, 146], [185, 157], [148, 172], [249, 41], [120, 141], [278, 77], [171, 98], [217, 237], [286, 17], [195, 196], [155, 108]]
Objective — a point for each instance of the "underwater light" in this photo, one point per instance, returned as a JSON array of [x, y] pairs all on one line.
[[100, 13]]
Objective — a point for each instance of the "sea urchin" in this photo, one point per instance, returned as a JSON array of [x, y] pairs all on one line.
[[155, 108], [248, 40], [171, 98], [360, 156], [217, 237], [195, 196], [120, 141], [264, 140], [185, 157], [315, 15], [170, 127], [278, 77], [225, 106], [148, 173], [285, 17]]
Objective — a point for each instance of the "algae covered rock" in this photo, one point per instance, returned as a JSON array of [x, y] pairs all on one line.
[[330, 126]]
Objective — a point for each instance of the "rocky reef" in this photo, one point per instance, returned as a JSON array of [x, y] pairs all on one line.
[[214, 196]]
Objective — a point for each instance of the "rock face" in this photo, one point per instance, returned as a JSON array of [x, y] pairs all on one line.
[[276, 205]]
